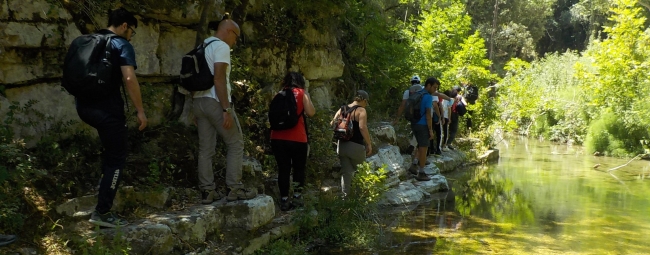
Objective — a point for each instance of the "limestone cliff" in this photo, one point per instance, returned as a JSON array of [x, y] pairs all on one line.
[[35, 34]]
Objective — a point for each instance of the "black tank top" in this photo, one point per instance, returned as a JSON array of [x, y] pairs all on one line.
[[356, 136]]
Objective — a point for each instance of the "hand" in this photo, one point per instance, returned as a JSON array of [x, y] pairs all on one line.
[[430, 134], [227, 120], [142, 120], [368, 150]]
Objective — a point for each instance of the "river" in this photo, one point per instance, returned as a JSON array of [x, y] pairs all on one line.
[[540, 198]]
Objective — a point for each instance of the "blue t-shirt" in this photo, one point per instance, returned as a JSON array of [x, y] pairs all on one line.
[[122, 54], [426, 103]]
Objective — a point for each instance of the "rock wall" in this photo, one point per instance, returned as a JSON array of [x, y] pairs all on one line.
[[35, 34]]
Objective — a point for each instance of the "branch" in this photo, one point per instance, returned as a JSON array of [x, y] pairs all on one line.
[[646, 5]]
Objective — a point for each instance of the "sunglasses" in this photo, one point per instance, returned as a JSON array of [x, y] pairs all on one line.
[[133, 31]]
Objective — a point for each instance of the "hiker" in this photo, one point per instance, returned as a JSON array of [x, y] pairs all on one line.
[[215, 114], [7, 239], [354, 151], [446, 113], [290, 146], [106, 114], [438, 121], [415, 87], [457, 109], [424, 128]]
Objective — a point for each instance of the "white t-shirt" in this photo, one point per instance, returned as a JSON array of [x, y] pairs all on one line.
[[446, 104], [216, 52]]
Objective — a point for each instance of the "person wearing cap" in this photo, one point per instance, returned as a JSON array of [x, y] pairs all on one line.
[[459, 101], [414, 88], [354, 152]]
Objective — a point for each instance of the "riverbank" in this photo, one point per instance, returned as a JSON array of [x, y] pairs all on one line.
[[168, 220]]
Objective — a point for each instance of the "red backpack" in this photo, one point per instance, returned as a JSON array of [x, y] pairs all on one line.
[[343, 127]]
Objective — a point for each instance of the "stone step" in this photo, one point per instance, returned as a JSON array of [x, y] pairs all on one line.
[[162, 233], [84, 206], [412, 191]]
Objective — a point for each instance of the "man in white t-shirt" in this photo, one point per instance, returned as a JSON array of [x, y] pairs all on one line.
[[215, 115]]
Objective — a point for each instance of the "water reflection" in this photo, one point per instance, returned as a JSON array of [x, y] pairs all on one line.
[[540, 198]]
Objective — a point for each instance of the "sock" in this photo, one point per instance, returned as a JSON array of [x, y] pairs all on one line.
[[415, 161], [285, 198]]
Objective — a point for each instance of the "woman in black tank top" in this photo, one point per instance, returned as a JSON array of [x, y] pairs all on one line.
[[354, 152]]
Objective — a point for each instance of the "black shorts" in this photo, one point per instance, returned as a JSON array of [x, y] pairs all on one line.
[[421, 133]]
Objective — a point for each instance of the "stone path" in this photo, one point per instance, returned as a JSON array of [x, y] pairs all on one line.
[[246, 226]]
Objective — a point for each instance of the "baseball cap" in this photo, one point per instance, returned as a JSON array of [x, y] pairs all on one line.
[[415, 78], [363, 95]]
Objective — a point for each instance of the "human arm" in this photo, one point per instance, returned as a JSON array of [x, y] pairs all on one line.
[[307, 105], [363, 127], [429, 124], [133, 88], [441, 95], [335, 117], [221, 88], [436, 111]]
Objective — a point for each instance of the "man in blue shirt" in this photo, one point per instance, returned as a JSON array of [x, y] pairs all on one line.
[[423, 129], [107, 115]]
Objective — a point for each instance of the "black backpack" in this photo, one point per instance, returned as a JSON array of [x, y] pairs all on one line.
[[472, 94], [195, 72], [412, 107], [343, 127], [87, 68], [283, 111]]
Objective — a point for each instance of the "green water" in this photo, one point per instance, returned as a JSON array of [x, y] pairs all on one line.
[[540, 198]]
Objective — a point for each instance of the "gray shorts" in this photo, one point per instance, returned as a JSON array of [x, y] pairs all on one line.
[[421, 133]]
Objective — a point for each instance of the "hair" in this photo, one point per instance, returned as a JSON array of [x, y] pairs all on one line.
[[432, 81], [120, 16], [413, 82], [451, 93], [293, 79]]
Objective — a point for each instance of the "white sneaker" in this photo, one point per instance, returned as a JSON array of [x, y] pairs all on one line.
[[445, 148]]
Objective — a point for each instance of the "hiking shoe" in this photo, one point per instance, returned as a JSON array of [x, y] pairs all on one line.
[[241, 194], [427, 163], [451, 148], [209, 196], [445, 148], [413, 169], [7, 239], [422, 177], [285, 205], [109, 220]]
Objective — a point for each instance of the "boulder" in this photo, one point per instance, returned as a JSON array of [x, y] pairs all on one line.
[[145, 43], [37, 10], [185, 14], [436, 184], [145, 237], [25, 35], [249, 214], [257, 243], [192, 225], [268, 62], [174, 43], [321, 98], [383, 133], [318, 37], [70, 33], [4, 10], [405, 193], [490, 156], [78, 207], [319, 63], [449, 160], [390, 156]]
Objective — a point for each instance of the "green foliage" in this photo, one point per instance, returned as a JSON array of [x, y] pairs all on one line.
[[351, 222], [283, 247], [98, 244]]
